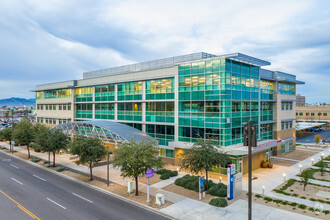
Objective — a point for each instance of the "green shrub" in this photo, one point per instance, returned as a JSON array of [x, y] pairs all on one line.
[[312, 199], [165, 176], [46, 162], [161, 171], [268, 199], [311, 209], [288, 184], [61, 169], [295, 195], [170, 172], [35, 159], [285, 202], [219, 202], [303, 197], [326, 212], [302, 206], [293, 204], [219, 190], [173, 173], [258, 196]]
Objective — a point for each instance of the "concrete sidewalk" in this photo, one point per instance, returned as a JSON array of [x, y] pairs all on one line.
[[194, 210], [318, 182], [297, 200], [272, 178]]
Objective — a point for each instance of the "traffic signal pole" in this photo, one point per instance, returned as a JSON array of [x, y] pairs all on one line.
[[250, 169]]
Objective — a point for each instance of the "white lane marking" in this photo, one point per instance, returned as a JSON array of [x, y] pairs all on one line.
[[17, 181], [82, 198], [39, 177], [56, 203], [14, 166], [6, 159]]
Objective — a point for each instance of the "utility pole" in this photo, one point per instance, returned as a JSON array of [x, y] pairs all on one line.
[[249, 140]]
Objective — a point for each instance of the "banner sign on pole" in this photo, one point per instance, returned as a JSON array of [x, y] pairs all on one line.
[[230, 181], [202, 184], [149, 173]]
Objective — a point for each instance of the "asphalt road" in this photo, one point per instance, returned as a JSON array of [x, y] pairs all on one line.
[[309, 138], [29, 192]]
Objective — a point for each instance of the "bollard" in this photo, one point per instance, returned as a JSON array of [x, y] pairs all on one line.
[[263, 190]]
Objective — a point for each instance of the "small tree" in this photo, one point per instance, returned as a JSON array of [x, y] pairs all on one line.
[[135, 158], [42, 138], [58, 141], [88, 149], [202, 156], [6, 114], [24, 134], [305, 176], [6, 134], [322, 166], [317, 138]]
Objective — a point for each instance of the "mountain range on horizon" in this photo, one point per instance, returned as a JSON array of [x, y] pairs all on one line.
[[17, 102]]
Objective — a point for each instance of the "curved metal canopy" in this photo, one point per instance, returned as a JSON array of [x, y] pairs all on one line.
[[108, 131]]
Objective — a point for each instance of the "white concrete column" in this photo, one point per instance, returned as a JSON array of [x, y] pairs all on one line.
[[93, 106], [116, 111], [143, 112], [116, 104], [143, 90], [93, 95], [176, 106], [116, 92]]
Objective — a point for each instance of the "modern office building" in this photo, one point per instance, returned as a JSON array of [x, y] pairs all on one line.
[[300, 100], [178, 99]]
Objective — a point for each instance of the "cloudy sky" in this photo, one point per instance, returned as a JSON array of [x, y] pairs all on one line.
[[56, 40]]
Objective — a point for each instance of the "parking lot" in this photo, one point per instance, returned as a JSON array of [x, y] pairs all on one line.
[[309, 137]]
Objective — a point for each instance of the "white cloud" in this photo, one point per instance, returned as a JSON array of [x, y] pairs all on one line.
[[58, 40]]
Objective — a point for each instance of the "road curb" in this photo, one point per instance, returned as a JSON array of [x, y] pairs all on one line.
[[91, 186]]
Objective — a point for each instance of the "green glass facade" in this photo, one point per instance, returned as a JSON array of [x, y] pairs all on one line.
[[286, 89], [105, 111], [84, 94], [129, 111], [84, 111], [215, 98], [105, 93], [160, 89], [51, 94], [160, 112], [130, 91], [163, 133]]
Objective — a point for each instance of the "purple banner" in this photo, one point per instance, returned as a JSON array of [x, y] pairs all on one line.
[[149, 173]]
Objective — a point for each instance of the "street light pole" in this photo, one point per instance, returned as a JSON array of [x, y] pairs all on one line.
[[12, 131], [108, 181]]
